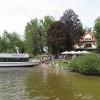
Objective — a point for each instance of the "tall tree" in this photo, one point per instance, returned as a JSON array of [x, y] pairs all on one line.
[[45, 22], [72, 27], [97, 31], [31, 37], [35, 34], [56, 38]]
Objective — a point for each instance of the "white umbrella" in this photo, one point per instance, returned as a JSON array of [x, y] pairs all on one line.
[[72, 52], [66, 52], [85, 52], [79, 52]]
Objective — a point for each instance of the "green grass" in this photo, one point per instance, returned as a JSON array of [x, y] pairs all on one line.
[[63, 63]]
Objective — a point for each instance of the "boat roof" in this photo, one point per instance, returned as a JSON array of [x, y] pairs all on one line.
[[13, 55]]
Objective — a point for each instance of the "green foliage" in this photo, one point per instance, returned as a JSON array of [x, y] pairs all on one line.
[[46, 23], [63, 33], [63, 63], [9, 40], [97, 31], [86, 64], [72, 26], [56, 38], [31, 32], [74, 65], [1, 45], [35, 34]]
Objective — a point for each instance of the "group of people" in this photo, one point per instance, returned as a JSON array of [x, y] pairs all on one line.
[[45, 59], [48, 60], [67, 56]]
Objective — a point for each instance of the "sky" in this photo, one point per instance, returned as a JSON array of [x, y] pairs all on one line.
[[15, 14]]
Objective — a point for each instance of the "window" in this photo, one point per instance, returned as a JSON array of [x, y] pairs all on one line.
[[80, 44], [88, 45], [87, 38], [13, 59], [94, 44]]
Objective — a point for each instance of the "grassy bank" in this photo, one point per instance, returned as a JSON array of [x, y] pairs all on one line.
[[87, 64], [63, 63]]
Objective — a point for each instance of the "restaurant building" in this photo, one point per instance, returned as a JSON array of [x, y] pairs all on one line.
[[86, 42]]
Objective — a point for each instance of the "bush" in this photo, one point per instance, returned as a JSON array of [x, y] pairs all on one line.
[[86, 64], [74, 65]]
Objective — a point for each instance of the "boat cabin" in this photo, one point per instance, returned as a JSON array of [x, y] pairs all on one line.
[[14, 57]]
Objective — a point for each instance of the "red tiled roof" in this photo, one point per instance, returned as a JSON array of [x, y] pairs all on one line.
[[90, 33]]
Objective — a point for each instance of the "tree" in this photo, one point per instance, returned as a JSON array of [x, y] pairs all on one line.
[[97, 31], [1, 45], [88, 29], [10, 40], [16, 41], [73, 29], [56, 38], [46, 22], [31, 37], [35, 34]]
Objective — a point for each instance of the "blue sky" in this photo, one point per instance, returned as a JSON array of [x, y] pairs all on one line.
[[15, 14]]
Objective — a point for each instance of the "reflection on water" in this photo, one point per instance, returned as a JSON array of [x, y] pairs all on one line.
[[41, 83]]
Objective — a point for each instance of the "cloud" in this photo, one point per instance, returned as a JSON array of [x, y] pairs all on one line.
[[14, 14]]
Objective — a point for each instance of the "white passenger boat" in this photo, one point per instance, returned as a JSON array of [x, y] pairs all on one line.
[[16, 60]]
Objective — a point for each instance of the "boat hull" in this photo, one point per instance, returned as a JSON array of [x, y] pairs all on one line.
[[18, 64]]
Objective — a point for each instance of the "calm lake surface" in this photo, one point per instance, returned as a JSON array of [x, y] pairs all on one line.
[[42, 83]]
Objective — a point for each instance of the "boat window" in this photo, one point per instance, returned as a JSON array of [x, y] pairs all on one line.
[[13, 59]]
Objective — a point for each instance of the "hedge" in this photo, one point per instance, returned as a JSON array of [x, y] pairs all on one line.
[[86, 64]]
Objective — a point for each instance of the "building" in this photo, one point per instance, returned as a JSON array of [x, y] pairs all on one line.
[[86, 42]]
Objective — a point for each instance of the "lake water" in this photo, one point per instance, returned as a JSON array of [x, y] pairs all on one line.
[[43, 83]]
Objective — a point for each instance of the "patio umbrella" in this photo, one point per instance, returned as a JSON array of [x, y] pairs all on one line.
[[79, 52], [66, 52], [72, 52], [85, 52]]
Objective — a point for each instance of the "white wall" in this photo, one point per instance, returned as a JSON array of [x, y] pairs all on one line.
[[88, 36]]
